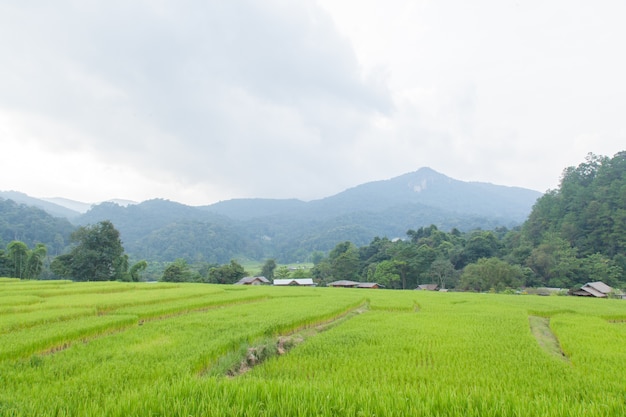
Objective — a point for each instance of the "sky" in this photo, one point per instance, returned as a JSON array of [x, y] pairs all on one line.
[[201, 101]]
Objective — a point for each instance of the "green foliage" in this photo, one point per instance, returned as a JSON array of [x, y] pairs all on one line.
[[177, 271], [283, 272], [226, 274], [32, 225], [98, 255], [491, 273], [136, 269], [387, 273], [268, 269], [589, 208], [21, 262], [18, 253]]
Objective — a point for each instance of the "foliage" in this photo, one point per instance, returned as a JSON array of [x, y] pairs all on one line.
[[136, 270], [574, 235], [32, 225], [98, 255], [589, 208], [490, 273], [283, 272], [226, 274], [268, 269], [177, 271], [290, 230], [21, 262]]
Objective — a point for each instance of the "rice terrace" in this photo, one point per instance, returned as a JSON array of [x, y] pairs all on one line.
[[156, 349]]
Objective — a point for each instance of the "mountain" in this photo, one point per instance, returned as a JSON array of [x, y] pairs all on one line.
[[77, 206], [424, 188], [290, 229], [430, 188], [32, 225], [54, 208]]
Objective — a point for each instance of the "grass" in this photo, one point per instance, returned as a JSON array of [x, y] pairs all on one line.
[[540, 328], [177, 350]]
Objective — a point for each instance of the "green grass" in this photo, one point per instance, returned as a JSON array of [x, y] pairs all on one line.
[[118, 349]]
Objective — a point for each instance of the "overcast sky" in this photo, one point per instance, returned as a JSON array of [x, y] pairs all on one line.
[[199, 101]]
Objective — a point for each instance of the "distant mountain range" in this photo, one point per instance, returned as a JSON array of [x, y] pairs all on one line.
[[290, 229]]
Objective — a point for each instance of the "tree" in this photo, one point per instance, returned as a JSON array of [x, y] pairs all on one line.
[[34, 263], [344, 261], [5, 265], [481, 245], [268, 269], [554, 261], [136, 269], [97, 255], [386, 273], [18, 253], [227, 274], [283, 272], [177, 271], [598, 267], [442, 272], [491, 273]]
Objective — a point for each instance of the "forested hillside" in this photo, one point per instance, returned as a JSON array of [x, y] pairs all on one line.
[[575, 234], [290, 230], [49, 207], [588, 210], [32, 225]]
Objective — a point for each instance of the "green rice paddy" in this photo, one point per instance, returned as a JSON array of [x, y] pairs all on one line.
[[141, 349]]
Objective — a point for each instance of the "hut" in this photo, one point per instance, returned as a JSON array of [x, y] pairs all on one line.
[[305, 282], [593, 289], [370, 285], [253, 281], [427, 287], [344, 283]]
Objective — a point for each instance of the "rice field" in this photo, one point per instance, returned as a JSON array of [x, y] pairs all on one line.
[[141, 349]]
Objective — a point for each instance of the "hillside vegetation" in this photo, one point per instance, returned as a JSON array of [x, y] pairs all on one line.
[[290, 230], [575, 234]]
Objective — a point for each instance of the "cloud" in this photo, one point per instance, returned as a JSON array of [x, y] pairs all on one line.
[[213, 93], [202, 101]]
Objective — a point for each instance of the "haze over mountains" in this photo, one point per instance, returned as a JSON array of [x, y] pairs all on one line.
[[291, 229]]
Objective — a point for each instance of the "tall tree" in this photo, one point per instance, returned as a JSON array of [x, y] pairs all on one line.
[[97, 255], [136, 270], [491, 273], [268, 269], [34, 263], [18, 253]]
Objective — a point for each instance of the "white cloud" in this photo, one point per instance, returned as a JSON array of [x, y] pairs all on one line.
[[199, 102]]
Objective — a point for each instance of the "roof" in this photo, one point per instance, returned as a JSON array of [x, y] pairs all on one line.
[[343, 283], [599, 286], [294, 281], [250, 280], [368, 285], [597, 289], [427, 287]]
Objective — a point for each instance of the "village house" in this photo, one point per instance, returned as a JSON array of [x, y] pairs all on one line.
[[253, 281], [593, 289], [305, 282], [427, 287], [344, 283]]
